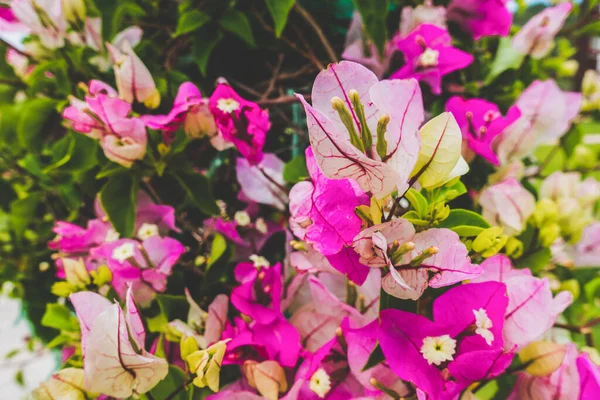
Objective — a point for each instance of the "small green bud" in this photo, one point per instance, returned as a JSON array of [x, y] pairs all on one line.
[[572, 285], [513, 247], [359, 109], [583, 158], [490, 241], [381, 145], [546, 211], [101, 276], [428, 252], [346, 117], [398, 250], [549, 233]]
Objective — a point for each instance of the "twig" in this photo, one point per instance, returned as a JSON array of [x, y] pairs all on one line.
[[273, 79], [179, 389], [306, 15], [281, 100]]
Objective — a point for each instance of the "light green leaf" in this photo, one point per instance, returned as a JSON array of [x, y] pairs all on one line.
[[119, 201], [535, 261], [459, 217], [417, 201], [506, 58], [467, 231], [238, 23], [219, 245], [280, 9], [59, 317], [191, 21], [374, 14], [571, 139], [295, 170], [22, 212]]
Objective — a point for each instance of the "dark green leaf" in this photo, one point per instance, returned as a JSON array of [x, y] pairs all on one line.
[[376, 357], [191, 21], [295, 170], [22, 212], [374, 15], [279, 10], [237, 23], [173, 381], [119, 201], [460, 217], [536, 261], [32, 123], [591, 29], [125, 9], [202, 49], [571, 139], [59, 317], [198, 190]]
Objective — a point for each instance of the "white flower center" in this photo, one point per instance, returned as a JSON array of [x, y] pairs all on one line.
[[259, 261], [147, 230], [227, 105], [111, 236], [483, 323], [437, 349], [320, 383], [242, 218], [123, 252], [261, 226], [429, 58]]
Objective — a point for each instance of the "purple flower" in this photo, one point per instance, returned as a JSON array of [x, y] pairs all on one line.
[[464, 344], [589, 377], [429, 56], [481, 17], [241, 122], [259, 293], [481, 122]]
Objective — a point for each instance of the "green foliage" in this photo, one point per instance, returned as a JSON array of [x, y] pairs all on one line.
[[198, 190], [32, 122], [374, 15], [191, 21], [60, 317], [279, 10], [119, 201], [238, 23], [506, 58], [295, 170], [465, 222]]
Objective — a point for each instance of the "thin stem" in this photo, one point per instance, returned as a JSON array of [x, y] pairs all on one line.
[[306, 15], [179, 389]]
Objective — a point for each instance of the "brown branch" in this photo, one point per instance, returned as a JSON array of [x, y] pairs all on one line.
[[281, 100], [273, 80], [311, 21]]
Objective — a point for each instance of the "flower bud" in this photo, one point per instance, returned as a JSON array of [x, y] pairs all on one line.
[[346, 117], [543, 357], [490, 241], [545, 211], [549, 233], [513, 247], [568, 68], [153, 100], [572, 285], [74, 11]]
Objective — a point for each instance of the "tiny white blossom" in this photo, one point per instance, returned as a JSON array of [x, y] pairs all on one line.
[[261, 226], [242, 218], [227, 105], [320, 383], [259, 261], [123, 252], [429, 58], [111, 236], [147, 230], [437, 349], [483, 323]]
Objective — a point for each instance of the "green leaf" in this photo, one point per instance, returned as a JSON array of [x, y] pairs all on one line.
[[22, 212], [173, 381], [374, 14], [79, 154], [171, 307], [59, 317], [467, 231], [125, 9], [237, 23], [459, 217], [450, 192], [202, 49], [295, 170], [571, 139], [417, 201], [376, 357], [191, 21], [506, 58], [32, 123], [119, 201], [109, 169], [280, 9], [198, 190], [592, 29], [536, 261], [219, 246]]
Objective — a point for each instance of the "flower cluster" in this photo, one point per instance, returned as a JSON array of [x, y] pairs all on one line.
[[424, 224]]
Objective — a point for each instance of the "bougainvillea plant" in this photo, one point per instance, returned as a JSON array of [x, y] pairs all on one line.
[[285, 199]]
